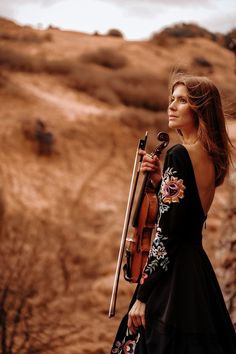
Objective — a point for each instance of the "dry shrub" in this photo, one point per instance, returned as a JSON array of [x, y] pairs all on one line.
[[115, 33], [130, 87], [230, 40], [61, 67], [176, 34], [140, 89], [186, 30], [202, 62], [36, 131], [105, 94], [140, 119], [33, 317], [14, 60], [106, 57], [96, 33], [88, 79], [95, 83]]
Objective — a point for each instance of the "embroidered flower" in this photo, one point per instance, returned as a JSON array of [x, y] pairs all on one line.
[[128, 344], [172, 190], [129, 347], [159, 252]]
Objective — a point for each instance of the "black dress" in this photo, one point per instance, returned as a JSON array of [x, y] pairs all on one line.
[[185, 309]]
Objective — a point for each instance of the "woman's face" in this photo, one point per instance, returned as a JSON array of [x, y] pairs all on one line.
[[179, 111]]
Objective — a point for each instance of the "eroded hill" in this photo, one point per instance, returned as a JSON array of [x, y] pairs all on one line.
[[73, 108]]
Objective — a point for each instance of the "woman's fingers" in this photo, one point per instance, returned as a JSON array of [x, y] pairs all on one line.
[[149, 159], [146, 166], [150, 164], [131, 325], [136, 316], [134, 323], [137, 321]]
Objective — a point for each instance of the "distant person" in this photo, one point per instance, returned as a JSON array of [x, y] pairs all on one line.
[[178, 306]]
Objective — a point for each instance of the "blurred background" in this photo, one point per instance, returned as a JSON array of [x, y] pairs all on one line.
[[80, 83]]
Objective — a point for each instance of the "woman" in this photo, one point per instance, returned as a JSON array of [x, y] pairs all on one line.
[[178, 307]]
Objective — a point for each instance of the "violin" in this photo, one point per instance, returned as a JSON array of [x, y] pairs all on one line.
[[144, 221]]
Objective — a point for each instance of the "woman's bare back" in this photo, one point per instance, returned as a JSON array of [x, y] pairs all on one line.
[[204, 172]]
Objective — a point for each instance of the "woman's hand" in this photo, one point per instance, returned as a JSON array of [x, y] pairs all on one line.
[[136, 316], [152, 165]]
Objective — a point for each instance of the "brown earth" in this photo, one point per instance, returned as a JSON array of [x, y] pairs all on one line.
[[65, 197]]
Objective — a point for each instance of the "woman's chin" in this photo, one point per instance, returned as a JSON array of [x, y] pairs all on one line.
[[172, 125]]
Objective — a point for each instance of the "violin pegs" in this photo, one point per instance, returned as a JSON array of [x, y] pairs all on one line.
[[162, 136]]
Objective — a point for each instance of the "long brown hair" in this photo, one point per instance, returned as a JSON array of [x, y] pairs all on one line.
[[205, 102]]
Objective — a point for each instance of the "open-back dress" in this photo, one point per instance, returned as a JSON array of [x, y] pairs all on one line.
[[185, 308]]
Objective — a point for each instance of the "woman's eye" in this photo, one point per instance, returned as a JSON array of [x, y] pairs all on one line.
[[183, 100]]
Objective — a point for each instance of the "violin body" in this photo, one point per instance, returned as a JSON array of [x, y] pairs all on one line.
[[139, 244], [144, 221]]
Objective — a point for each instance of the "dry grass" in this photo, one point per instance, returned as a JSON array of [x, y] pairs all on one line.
[[90, 74], [128, 86], [141, 89], [142, 120], [106, 57], [25, 35], [32, 286], [13, 59], [59, 67]]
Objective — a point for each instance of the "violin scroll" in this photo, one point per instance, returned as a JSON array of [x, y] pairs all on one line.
[[164, 138]]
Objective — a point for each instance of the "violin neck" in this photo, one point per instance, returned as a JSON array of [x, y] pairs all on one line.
[[145, 185]]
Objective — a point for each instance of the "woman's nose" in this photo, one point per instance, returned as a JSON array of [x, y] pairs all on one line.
[[172, 105]]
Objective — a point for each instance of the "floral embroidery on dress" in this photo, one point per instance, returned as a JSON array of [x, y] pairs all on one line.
[[171, 191], [128, 344], [157, 256]]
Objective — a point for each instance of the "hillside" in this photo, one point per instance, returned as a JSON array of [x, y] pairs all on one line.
[[73, 108]]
